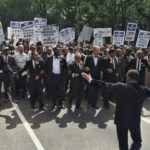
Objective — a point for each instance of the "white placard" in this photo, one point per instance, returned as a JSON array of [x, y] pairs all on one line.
[[72, 30], [16, 29], [2, 38], [66, 36], [86, 33], [143, 39], [49, 41], [39, 25], [51, 30], [106, 32], [27, 27], [15, 25], [118, 37], [50, 35], [130, 32], [98, 40], [40, 21], [27, 24]]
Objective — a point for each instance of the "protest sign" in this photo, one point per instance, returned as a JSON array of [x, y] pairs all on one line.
[[143, 39], [1, 34], [27, 27], [50, 35], [50, 30], [105, 32], [98, 40], [39, 25], [15, 25], [72, 31], [118, 37], [16, 29], [66, 36], [86, 33], [130, 32], [49, 41]]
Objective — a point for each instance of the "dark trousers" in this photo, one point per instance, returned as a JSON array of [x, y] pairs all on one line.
[[106, 97], [122, 134], [57, 89], [36, 93], [10, 83], [93, 93], [1, 80], [77, 90], [21, 83]]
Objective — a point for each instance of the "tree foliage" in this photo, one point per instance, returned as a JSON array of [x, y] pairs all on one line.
[[76, 13]]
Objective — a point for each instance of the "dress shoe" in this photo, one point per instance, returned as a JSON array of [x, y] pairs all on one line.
[[42, 109]]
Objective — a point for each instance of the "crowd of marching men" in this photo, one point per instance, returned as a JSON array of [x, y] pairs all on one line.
[[31, 71]]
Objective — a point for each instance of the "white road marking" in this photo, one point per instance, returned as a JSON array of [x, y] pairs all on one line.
[[28, 128], [143, 118]]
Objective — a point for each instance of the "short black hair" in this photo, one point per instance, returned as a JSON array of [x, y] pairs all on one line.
[[133, 74], [112, 51]]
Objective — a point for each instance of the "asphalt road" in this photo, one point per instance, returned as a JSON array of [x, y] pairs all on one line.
[[21, 128]]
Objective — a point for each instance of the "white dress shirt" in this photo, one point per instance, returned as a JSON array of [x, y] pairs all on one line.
[[70, 58], [21, 59], [56, 65], [138, 64], [112, 61], [95, 60], [5, 58]]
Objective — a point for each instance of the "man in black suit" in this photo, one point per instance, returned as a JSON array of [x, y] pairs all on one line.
[[47, 54], [55, 71], [110, 73], [129, 99], [140, 64], [77, 84], [93, 66], [36, 71], [4, 70], [9, 78]]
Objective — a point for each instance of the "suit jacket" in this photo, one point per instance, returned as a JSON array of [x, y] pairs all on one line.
[[4, 67], [12, 63], [75, 69], [94, 70], [44, 56], [49, 66], [144, 65], [33, 72], [106, 64], [129, 99]]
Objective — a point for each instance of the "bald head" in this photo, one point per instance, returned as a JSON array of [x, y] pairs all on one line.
[[20, 48], [139, 54], [96, 50], [77, 57], [132, 75]]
